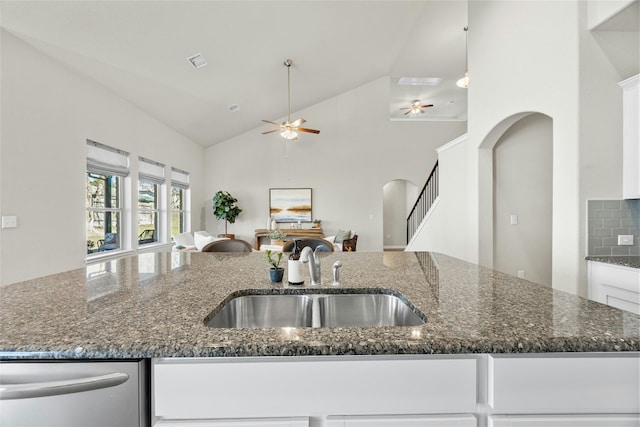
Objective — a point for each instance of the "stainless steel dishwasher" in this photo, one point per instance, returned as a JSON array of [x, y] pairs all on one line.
[[74, 393]]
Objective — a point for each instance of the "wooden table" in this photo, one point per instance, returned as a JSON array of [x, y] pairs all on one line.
[[304, 232]]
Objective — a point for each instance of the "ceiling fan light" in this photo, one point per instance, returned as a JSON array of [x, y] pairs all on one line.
[[464, 81], [289, 134]]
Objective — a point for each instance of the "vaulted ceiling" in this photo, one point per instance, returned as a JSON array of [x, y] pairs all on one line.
[[139, 50]]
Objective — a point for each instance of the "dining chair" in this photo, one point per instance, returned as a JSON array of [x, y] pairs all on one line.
[[325, 245], [228, 245]]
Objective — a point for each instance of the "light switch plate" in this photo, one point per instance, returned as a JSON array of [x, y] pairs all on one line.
[[625, 239], [9, 221]]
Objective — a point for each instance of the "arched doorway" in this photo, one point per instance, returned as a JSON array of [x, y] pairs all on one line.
[[399, 196], [517, 200]]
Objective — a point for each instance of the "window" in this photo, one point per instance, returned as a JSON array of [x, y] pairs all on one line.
[[106, 169], [179, 188], [150, 183]]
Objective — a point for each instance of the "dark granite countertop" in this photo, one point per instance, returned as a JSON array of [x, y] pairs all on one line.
[[154, 305], [625, 261]]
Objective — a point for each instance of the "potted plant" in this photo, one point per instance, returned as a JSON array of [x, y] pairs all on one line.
[[276, 272], [316, 223], [224, 207], [276, 237]]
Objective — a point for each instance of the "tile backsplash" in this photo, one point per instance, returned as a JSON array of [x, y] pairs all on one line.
[[609, 218]]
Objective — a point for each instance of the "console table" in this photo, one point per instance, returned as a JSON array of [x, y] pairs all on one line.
[[296, 232]]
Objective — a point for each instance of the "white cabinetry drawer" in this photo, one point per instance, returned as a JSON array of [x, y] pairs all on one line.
[[564, 421], [277, 387], [403, 421], [564, 384]]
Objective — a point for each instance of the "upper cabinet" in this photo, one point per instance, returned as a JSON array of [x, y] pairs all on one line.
[[631, 137]]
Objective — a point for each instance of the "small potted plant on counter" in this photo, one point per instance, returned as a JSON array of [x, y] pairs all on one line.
[[276, 272], [316, 223], [276, 237]]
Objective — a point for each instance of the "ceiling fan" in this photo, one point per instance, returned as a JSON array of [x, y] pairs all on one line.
[[288, 129], [416, 108]]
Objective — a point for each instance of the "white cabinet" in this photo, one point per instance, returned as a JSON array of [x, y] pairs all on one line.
[[563, 420], [631, 137], [403, 421], [298, 386], [564, 384], [614, 285], [531, 390]]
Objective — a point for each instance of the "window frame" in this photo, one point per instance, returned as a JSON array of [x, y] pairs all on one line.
[[105, 162], [151, 173]]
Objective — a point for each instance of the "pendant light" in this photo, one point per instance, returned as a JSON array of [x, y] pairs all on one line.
[[464, 81]]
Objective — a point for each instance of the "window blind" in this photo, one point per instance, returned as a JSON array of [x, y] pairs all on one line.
[[105, 160], [179, 178], [150, 170]]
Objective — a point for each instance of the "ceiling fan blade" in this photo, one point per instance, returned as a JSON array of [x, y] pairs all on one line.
[[426, 105], [406, 108], [271, 131], [407, 113], [270, 122], [297, 123], [308, 130]]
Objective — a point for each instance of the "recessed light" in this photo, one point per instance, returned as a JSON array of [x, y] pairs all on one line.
[[419, 81], [197, 60], [233, 108]]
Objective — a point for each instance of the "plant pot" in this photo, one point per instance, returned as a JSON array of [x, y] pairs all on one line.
[[228, 236], [276, 274]]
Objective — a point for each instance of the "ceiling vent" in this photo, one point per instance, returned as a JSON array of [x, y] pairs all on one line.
[[233, 108], [197, 61], [419, 81]]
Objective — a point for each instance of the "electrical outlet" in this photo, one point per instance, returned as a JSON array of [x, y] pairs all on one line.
[[521, 274], [9, 221], [625, 239]]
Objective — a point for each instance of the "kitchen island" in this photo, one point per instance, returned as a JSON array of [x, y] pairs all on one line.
[[479, 322]]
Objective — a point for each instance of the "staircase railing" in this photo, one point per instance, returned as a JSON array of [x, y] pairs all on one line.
[[426, 198]]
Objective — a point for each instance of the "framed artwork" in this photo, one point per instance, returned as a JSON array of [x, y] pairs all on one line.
[[290, 204]]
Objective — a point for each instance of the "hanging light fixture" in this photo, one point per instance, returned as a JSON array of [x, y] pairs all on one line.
[[464, 81], [288, 129]]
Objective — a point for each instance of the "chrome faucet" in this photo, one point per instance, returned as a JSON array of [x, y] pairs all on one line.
[[336, 272], [310, 256]]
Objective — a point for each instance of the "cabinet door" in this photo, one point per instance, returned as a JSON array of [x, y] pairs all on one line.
[[403, 421], [562, 385], [253, 422], [297, 387], [614, 285], [564, 421], [631, 137]]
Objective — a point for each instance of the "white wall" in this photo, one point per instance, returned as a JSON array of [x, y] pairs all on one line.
[[536, 47], [398, 198], [599, 11], [529, 57], [356, 153], [523, 184], [449, 227], [48, 113]]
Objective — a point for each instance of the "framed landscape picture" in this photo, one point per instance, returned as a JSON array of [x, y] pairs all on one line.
[[290, 204]]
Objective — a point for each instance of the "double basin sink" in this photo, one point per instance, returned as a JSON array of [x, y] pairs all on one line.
[[315, 311]]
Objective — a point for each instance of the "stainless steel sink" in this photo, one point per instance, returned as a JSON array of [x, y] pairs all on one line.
[[315, 310], [265, 311], [365, 310]]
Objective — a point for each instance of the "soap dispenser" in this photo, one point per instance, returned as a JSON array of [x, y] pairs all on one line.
[[295, 269]]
